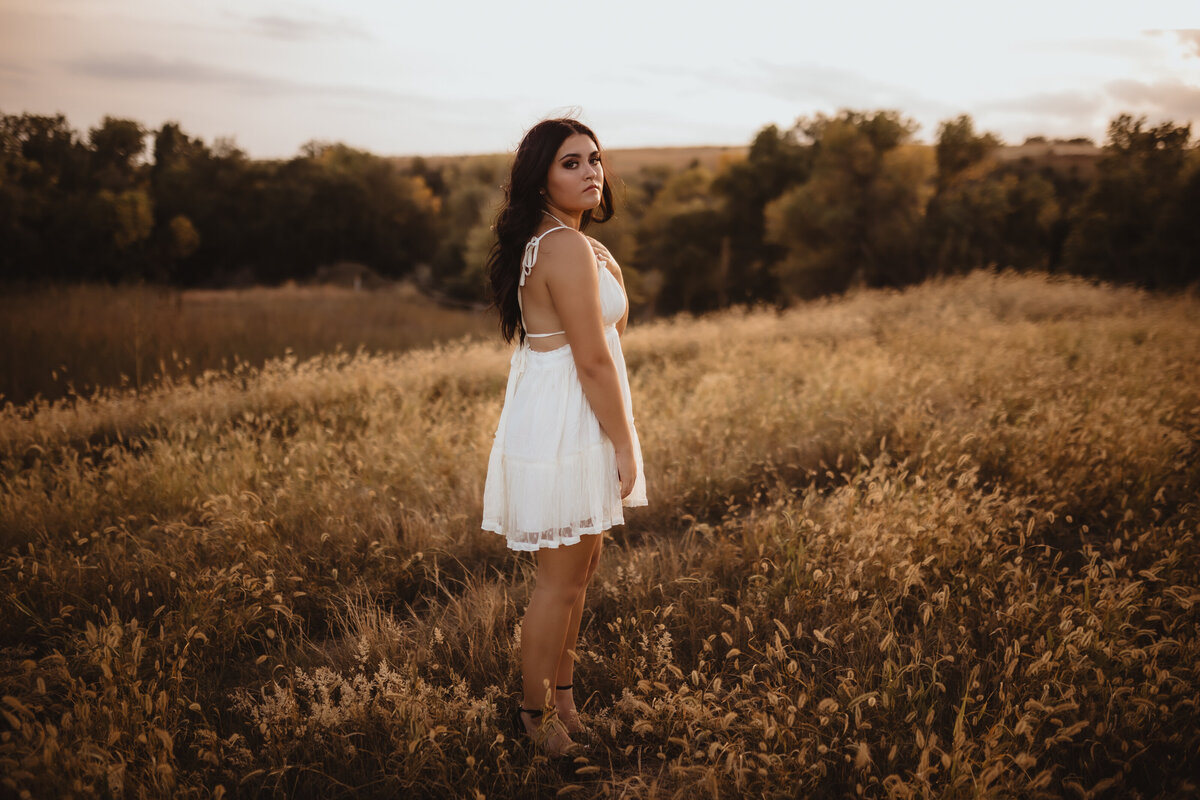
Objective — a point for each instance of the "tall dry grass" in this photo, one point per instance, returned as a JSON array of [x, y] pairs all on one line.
[[82, 338], [931, 543]]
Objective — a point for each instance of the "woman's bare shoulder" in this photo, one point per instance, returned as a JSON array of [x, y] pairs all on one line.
[[566, 252]]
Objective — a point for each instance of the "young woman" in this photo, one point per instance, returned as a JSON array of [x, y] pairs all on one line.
[[566, 458]]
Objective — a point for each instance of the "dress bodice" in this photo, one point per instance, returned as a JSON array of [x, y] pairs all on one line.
[[612, 298]]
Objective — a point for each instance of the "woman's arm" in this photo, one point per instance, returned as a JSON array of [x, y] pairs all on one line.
[[573, 282], [615, 268]]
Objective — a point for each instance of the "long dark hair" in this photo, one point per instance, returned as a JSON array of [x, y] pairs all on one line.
[[521, 213]]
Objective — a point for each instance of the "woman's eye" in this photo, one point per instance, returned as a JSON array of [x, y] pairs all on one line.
[[570, 164], [595, 159]]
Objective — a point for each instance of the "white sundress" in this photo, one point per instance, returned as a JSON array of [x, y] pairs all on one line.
[[552, 473]]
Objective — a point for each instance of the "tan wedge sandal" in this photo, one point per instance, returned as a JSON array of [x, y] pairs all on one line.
[[582, 730], [549, 726]]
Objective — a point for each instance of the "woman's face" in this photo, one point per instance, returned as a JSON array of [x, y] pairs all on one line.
[[576, 176]]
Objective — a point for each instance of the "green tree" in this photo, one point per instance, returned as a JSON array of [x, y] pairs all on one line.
[[130, 217], [44, 222], [985, 213], [336, 203], [776, 162], [210, 215], [680, 244], [471, 197], [178, 163], [1174, 250], [959, 147], [183, 239], [1136, 222], [117, 145], [857, 219], [119, 216]]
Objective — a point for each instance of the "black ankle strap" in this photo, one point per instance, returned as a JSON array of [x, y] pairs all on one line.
[[533, 712], [564, 688]]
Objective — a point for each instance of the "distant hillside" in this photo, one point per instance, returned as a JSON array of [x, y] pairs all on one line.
[[625, 161], [1061, 156], [631, 160]]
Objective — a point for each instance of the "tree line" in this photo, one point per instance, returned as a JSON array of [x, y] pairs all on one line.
[[830, 203], [124, 203]]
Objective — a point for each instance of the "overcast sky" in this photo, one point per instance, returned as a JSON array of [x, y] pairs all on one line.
[[433, 77]]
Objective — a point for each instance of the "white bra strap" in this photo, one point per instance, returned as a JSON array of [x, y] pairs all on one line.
[[529, 335]]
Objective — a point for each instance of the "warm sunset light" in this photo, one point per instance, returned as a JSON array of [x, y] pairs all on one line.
[[407, 78], [632, 400]]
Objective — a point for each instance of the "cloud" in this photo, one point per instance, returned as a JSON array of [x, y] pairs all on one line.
[[817, 87], [1066, 105], [13, 68], [15, 79], [1064, 113], [131, 67], [1068, 113], [1134, 49], [1191, 38], [149, 68], [1172, 99], [829, 85], [294, 29]]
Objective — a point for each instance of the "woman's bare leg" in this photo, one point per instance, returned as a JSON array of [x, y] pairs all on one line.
[[561, 577], [564, 699]]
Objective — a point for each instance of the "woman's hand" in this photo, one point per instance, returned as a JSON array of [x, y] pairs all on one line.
[[626, 471], [602, 254]]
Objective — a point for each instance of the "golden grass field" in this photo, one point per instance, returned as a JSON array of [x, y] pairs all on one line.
[[81, 338], [931, 543]]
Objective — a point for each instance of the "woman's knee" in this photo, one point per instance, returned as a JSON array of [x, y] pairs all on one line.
[[562, 586], [561, 590]]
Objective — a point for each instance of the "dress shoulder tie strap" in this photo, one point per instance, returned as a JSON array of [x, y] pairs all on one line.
[[531, 248], [527, 262]]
